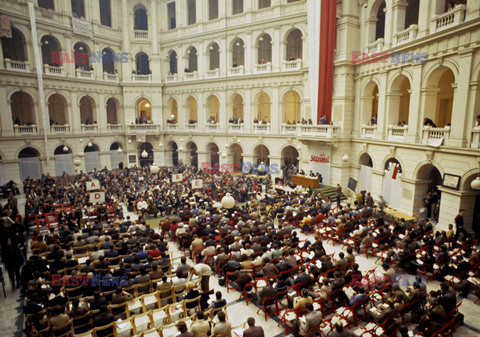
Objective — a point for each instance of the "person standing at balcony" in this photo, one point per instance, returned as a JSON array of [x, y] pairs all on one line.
[[323, 120], [451, 6], [477, 121], [428, 122]]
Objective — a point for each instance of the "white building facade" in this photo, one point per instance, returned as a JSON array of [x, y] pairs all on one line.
[[227, 82]]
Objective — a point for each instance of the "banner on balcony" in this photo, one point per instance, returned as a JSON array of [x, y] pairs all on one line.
[[81, 27], [5, 26], [320, 160]]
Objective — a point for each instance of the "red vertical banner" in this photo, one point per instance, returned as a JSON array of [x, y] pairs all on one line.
[[328, 20]]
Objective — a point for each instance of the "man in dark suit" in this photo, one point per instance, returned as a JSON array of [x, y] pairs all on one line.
[[104, 318], [253, 331], [312, 319], [267, 291]]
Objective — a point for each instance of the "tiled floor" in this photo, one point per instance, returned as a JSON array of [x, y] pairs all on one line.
[[11, 317]]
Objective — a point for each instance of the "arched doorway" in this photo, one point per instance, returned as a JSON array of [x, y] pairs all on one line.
[[192, 106], [399, 102], [264, 46], [235, 156], [260, 155], [213, 150], [238, 53], [140, 18], [263, 104], [142, 62], [193, 156], [63, 160], [172, 108], [392, 184], [294, 45], [109, 61], [213, 109], [144, 112], [112, 117], [57, 105], [213, 53], [29, 162], [92, 160], [426, 190], [192, 60], [172, 62], [289, 155], [50, 50], [292, 108], [236, 116], [365, 176], [439, 96], [14, 48], [116, 155], [369, 104], [148, 148], [87, 111], [172, 154], [82, 62], [23, 112]]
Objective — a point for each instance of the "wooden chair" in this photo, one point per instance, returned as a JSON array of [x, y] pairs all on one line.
[[82, 323], [150, 301], [89, 333], [124, 328], [191, 304], [104, 331], [63, 330], [160, 316], [141, 323], [120, 311], [156, 332]]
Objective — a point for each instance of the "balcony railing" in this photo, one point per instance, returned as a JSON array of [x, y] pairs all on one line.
[[406, 35], [235, 127], [89, 128], [141, 34], [25, 129], [325, 131], [212, 127], [59, 129], [190, 76], [144, 127], [368, 131], [263, 68], [448, 19], [84, 73], [110, 77], [114, 127], [142, 78], [172, 127], [375, 47], [191, 127], [292, 65], [291, 129], [475, 143], [435, 136], [261, 128], [171, 78], [23, 66], [53, 70], [215, 73], [235, 71], [397, 133]]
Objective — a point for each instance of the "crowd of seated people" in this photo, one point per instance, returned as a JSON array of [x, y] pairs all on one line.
[[255, 249]]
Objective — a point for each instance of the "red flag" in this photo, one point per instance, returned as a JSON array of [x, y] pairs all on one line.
[[395, 171]]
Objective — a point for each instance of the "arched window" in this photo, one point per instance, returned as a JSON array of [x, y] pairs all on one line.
[[141, 19], [23, 112], [144, 112], [173, 62], [105, 13], [264, 3], [263, 108], [143, 64], [108, 61], [192, 12], [237, 109], [87, 111], [292, 108], [192, 106], [192, 56], [214, 56], [380, 27], [112, 111], [237, 7], [51, 47], [57, 110], [82, 56], [78, 8], [374, 113], [213, 110], [261, 155], [212, 9], [238, 53], [264, 49], [440, 82], [46, 4], [411, 15], [294, 45], [399, 102], [14, 48], [29, 162], [172, 108]]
